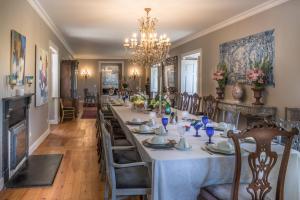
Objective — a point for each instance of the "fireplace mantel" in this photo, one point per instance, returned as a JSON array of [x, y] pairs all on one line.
[[15, 110]]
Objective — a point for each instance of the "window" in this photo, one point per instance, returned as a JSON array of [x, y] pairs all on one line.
[[189, 73], [154, 79]]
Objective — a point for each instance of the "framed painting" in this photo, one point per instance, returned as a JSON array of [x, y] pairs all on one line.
[[41, 73], [240, 55], [18, 51]]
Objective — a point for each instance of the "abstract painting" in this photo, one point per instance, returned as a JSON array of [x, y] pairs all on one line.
[[41, 72], [240, 55], [18, 51]]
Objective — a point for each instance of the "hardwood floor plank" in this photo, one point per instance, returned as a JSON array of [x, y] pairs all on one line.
[[77, 177]]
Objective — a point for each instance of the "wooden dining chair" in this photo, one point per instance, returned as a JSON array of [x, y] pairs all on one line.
[[292, 114], [261, 163], [66, 112], [185, 101], [130, 179], [179, 100], [195, 104], [209, 106]]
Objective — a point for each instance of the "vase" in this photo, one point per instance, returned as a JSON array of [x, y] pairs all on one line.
[[258, 95], [237, 92], [220, 93]]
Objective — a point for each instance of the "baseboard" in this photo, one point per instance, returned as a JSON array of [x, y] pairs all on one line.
[[39, 141], [54, 121], [1, 183]]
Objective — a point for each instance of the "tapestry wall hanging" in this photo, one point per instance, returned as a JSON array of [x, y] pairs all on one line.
[[242, 54]]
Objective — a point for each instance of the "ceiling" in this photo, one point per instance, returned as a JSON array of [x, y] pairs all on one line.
[[97, 28]]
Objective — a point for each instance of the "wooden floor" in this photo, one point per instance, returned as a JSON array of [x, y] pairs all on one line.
[[78, 177]]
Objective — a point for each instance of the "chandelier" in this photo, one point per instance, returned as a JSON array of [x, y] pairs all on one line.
[[147, 48]]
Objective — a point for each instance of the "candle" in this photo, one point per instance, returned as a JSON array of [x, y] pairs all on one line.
[[160, 85], [140, 83]]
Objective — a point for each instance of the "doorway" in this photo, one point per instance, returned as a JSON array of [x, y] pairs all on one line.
[[190, 73], [54, 107]]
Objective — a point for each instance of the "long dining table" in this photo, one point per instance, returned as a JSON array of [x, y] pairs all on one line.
[[179, 175]]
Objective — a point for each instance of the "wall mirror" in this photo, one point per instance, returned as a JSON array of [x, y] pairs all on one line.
[[170, 72]]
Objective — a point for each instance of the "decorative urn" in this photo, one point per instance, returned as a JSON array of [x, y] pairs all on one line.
[[237, 92], [258, 92]]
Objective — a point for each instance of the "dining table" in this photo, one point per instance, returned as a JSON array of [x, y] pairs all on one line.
[[179, 175]]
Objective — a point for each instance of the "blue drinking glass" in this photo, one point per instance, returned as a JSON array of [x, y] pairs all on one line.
[[165, 121], [210, 132], [197, 126], [205, 120]]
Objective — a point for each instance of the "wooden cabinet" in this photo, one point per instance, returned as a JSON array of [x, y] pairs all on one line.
[[68, 82]]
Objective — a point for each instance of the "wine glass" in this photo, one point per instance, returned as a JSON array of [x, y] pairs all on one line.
[[209, 132], [165, 121], [205, 120], [197, 126]]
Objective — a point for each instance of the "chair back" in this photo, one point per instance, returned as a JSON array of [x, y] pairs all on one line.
[[292, 114], [86, 92], [262, 161], [61, 104], [108, 155], [195, 104], [179, 101], [209, 106], [185, 101]]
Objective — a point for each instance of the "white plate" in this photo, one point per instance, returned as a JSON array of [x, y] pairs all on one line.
[[182, 149], [213, 148], [136, 130], [150, 142]]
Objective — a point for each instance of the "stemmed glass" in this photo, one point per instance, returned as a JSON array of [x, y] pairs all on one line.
[[197, 126], [165, 121], [205, 121], [210, 132]]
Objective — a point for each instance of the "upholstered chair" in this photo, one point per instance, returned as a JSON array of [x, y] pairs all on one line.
[[130, 179]]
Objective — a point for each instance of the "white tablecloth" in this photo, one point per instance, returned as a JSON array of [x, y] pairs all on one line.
[[180, 174]]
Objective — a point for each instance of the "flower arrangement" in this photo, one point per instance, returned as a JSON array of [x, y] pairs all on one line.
[[257, 74], [154, 103], [138, 100], [124, 83], [221, 75]]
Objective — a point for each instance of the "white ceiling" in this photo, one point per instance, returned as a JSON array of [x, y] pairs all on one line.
[[97, 28]]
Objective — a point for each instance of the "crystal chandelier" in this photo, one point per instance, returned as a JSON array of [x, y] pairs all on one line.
[[147, 48]]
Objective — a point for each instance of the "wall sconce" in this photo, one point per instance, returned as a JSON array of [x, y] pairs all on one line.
[[11, 81], [135, 74], [29, 80], [85, 73]]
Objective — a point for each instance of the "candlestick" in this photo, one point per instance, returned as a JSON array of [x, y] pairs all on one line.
[[160, 93]]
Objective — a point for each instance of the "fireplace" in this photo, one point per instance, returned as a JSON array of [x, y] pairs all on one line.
[[17, 147], [15, 138]]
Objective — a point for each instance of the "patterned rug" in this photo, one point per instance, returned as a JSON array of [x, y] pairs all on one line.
[[89, 113]]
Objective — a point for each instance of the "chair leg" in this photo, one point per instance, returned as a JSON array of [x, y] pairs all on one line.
[[62, 117], [106, 190]]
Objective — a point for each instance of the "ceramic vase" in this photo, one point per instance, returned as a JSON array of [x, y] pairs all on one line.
[[237, 92], [258, 95]]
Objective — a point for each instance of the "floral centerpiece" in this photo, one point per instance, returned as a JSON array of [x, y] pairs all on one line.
[[258, 79], [124, 84], [165, 102], [221, 76], [138, 101]]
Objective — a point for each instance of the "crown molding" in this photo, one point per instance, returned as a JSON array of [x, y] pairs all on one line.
[[244, 15], [43, 14]]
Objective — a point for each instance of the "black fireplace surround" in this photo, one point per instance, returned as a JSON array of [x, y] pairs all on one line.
[[15, 138]]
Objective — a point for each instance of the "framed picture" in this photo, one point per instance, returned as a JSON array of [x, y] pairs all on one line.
[[41, 74], [18, 51]]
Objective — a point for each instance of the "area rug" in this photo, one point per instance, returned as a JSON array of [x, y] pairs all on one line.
[[39, 170], [89, 113]]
